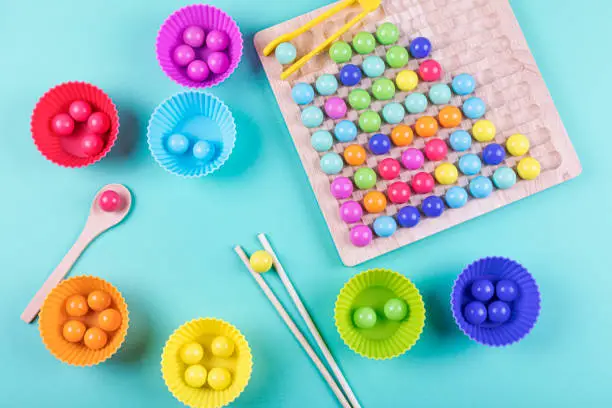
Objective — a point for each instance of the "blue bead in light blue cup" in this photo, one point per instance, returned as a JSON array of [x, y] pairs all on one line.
[[302, 93], [345, 131], [312, 117], [456, 197], [415, 103], [204, 150], [393, 113], [384, 226], [504, 178], [321, 140], [460, 140], [198, 116], [373, 66], [470, 164], [331, 163], [463, 84], [481, 187], [474, 108], [177, 144], [326, 84], [285, 53], [440, 94]]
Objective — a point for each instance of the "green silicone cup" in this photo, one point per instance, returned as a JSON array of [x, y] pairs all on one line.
[[387, 339]]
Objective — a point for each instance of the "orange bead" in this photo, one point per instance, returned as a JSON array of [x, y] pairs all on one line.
[[402, 135], [95, 338], [375, 202], [73, 331], [450, 117], [426, 126], [109, 320], [98, 300], [76, 305], [355, 155]]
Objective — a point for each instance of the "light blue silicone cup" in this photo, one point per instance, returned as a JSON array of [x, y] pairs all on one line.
[[197, 116]]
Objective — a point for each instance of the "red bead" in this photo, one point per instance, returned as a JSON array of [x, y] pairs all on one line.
[[389, 169], [98, 122], [436, 149], [398, 192], [92, 144], [62, 124], [79, 110], [423, 183], [430, 71], [109, 201]]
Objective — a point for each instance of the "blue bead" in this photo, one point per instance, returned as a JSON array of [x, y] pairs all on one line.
[[350, 75], [326, 84], [456, 197], [177, 144], [204, 150], [506, 290], [321, 140], [440, 94], [393, 113], [460, 140], [302, 93], [416, 103], [432, 206], [475, 313], [483, 289], [408, 216], [463, 84], [331, 163], [474, 108], [385, 226], [285, 53], [379, 144], [420, 47], [499, 312], [345, 131], [470, 164], [312, 117], [493, 154], [481, 187], [373, 66], [504, 178]]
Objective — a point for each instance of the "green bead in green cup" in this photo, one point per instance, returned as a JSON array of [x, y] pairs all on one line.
[[387, 33], [340, 52], [364, 317], [364, 43], [397, 57], [369, 121], [359, 99], [383, 89], [395, 309], [365, 178]]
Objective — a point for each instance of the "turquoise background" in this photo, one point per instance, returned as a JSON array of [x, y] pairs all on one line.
[[173, 258]]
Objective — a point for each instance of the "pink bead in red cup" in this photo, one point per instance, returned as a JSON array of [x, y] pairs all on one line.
[[98, 122], [79, 110], [62, 124]]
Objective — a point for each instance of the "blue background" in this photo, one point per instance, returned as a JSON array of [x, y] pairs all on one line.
[[173, 259]]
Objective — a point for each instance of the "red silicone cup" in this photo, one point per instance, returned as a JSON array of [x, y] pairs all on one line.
[[66, 151]]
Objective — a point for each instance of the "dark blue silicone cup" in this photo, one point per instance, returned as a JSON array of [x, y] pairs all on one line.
[[525, 308]]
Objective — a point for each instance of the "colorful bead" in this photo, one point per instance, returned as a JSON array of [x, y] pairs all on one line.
[[450, 117], [198, 70], [481, 187], [379, 144], [177, 144], [435, 149], [109, 201], [420, 47], [340, 52], [498, 312], [430, 71], [375, 202], [62, 124], [302, 93], [79, 110], [369, 121], [426, 126], [389, 168], [504, 178], [416, 103], [92, 144], [364, 42], [493, 154], [217, 40], [387, 33], [506, 290], [393, 113], [203, 150], [528, 168], [383, 89], [474, 108], [484, 130], [373, 66], [98, 122], [350, 75], [183, 55], [517, 145], [335, 108], [422, 183], [341, 188], [351, 212], [406, 80], [326, 84], [432, 206], [365, 178], [355, 155], [345, 131], [384, 226], [397, 56], [440, 94], [446, 174], [359, 99], [194, 36], [482, 289], [460, 140], [408, 216], [218, 62], [413, 159], [470, 164], [331, 163], [321, 140], [285, 53], [398, 192], [463, 84], [312, 117], [364, 317], [475, 313], [456, 197]]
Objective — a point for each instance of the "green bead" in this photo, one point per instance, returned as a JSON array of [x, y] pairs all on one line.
[[369, 121], [395, 309], [383, 89], [364, 43], [387, 33], [340, 52], [397, 56], [364, 317], [359, 99], [365, 178]]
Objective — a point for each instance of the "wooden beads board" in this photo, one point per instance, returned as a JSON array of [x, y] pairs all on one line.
[[478, 37]]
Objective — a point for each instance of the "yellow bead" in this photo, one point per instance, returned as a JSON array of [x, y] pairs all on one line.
[[261, 261], [192, 353], [446, 173], [195, 376], [219, 378], [517, 145], [221, 346], [528, 168], [406, 80], [484, 130]]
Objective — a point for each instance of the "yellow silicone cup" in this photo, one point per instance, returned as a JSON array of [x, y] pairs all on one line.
[[53, 316], [203, 331], [387, 339]]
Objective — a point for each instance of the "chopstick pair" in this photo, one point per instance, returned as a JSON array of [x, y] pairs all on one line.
[[296, 331]]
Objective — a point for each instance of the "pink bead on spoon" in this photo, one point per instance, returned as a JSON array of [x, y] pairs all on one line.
[[110, 206]]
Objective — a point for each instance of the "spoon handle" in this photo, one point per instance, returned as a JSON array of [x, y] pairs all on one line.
[[30, 312]]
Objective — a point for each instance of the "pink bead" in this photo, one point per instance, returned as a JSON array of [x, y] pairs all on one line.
[[109, 201], [183, 55], [430, 71], [389, 168], [341, 187], [413, 159], [335, 108], [218, 62], [361, 235], [194, 36], [217, 40], [351, 212], [398, 192], [197, 71], [92, 144], [423, 183], [436, 149], [79, 110], [62, 124], [98, 122]]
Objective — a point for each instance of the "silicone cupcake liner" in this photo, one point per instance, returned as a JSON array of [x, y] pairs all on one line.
[[53, 316], [198, 116], [525, 309], [203, 330], [373, 288], [61, 150], [209, 18]]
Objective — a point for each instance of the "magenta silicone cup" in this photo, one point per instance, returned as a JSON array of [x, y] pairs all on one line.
[[209, 18]]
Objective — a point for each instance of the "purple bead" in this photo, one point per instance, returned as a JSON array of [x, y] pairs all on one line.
[[361, 235], [408, 216], [493, 154], [483, 289], [197, 71], [218, 62], [351, 212], [194, 36], [506, 290], [335, 108], [499, 312], [413, 159], [217, 40], [183, 55], [475, 313], [341, 187], [350, 75]]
